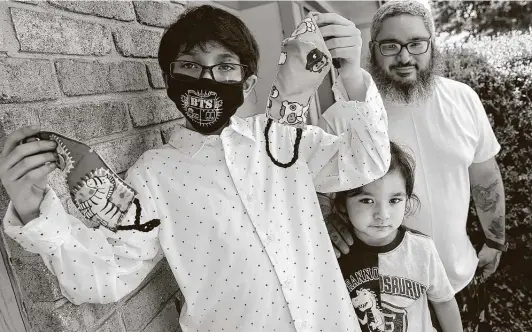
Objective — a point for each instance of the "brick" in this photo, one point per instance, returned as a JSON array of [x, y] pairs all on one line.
[[80, 77], [85, 120], [118, 10], [36, 282], [157, 13], [128, 76], [145, 304], [57, 181], [167, 320], [122, 153], [140, 43], [152, 110], [53, 317], [113, 324], [27, 80], [13, 117], [14, 249], [168, 128], [51, 33], [155, 75]]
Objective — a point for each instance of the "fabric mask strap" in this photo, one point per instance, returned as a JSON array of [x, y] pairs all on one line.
[[299, 133]]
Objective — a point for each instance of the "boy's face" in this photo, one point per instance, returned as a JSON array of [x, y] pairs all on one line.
[[213, 54], [379, 209]]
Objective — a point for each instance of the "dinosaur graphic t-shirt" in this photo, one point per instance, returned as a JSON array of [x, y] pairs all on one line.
[[390, 286]]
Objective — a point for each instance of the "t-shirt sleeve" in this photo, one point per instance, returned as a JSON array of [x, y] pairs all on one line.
[[440, 289], [487, 144]]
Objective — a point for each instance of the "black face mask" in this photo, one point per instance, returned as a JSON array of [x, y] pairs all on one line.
[[205, 103]]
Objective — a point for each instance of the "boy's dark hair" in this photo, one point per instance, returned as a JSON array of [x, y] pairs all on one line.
[[197, 26], [401, 161]]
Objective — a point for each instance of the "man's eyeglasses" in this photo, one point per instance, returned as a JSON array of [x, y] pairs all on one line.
[[415, 47], [229, 73]]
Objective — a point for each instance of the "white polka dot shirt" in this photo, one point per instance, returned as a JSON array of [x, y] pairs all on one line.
[[244, 238]]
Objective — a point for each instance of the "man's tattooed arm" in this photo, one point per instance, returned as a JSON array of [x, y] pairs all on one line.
[[487, 190]]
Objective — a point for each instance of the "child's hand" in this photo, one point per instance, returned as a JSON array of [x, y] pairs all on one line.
[[343, 39], [23, 171], [339, 234]]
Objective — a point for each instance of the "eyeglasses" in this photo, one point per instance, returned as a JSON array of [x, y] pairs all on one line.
[[229, 73], [415, 47]]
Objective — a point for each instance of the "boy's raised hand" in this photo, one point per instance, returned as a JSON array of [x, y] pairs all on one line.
[[23, 171], [343, 39]]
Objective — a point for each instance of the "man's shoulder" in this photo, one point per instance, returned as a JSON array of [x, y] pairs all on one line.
[[454, 87], [417, 236]]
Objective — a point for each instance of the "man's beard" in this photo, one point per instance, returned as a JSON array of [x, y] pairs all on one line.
[[406, 92]]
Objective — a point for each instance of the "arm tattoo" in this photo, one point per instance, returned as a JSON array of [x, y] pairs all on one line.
[[486, 198], [497, 228]]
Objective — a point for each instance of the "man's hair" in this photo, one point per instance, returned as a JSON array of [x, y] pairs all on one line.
[[396, 8], [401, 161], [199, 26]]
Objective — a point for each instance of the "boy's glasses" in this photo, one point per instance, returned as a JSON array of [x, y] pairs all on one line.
[[416, 47], [228, 73]]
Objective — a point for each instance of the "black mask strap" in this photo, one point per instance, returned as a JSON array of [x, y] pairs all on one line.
[[299, 133]]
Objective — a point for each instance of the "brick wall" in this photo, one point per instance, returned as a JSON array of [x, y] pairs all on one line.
[[88, 70]]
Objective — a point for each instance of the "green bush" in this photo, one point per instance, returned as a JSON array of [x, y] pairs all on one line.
[[499, 69]]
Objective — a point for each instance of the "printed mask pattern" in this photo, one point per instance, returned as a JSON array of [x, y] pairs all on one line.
[[303, 63], [95, 195], [101, 196], [65, 162], [292, 113], [203, 108]]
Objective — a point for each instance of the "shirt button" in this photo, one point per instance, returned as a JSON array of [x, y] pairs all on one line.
[[231, 159], [249, 198], [304, 324], [269, 238], [288, 283]]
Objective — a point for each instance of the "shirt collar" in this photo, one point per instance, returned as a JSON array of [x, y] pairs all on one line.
[[190, 142]]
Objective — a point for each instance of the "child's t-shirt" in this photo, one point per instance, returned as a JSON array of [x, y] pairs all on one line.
[[390, 285]]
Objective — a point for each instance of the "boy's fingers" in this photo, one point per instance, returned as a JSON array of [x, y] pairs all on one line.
[[330, 18], [338, 31], [15, 137], [30, 163], [27, 149], [40, 172]]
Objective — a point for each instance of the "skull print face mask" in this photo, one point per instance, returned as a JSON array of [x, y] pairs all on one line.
[[304, 62]]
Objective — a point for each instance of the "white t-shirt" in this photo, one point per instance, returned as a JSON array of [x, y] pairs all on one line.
[[447, 133], [407, 273]]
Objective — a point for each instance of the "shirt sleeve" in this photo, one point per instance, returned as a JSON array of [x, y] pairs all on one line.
[[440, 289], [92, 265], [352, 147], [487, 144]]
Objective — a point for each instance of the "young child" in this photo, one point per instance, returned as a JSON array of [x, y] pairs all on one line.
[[245, 239], [391, 271]]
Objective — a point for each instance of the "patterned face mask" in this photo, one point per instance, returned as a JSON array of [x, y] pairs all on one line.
[[304, 62], [206, 104], [99, 194]]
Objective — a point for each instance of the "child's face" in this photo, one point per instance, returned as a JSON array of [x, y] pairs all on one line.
[[378, 211]]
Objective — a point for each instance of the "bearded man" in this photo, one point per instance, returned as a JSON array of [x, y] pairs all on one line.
[[446, 126]]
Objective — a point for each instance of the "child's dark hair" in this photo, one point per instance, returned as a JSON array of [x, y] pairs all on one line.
[[197, 26], [401, 161]]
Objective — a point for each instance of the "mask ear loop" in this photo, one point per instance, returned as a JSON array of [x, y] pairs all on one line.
[[299, 133]]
